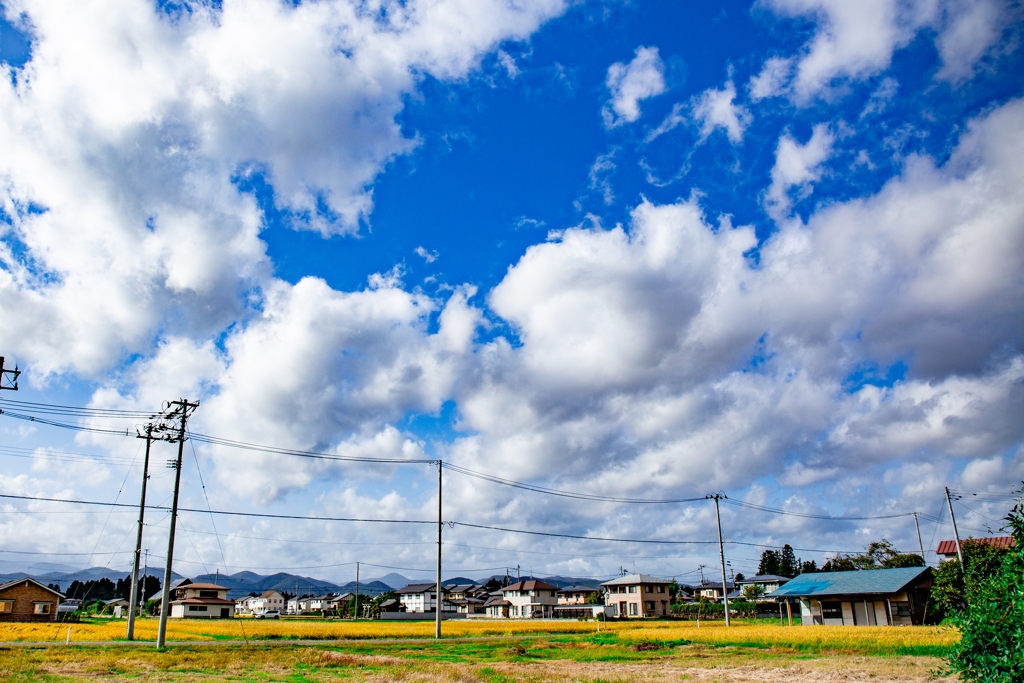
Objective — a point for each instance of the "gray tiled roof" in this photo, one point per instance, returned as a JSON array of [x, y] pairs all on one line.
[[866, 582], [634, 579]]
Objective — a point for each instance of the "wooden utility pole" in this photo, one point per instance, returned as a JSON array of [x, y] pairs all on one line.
[[134, 599], [355, 612], [721, 555], [920, 544], [182, 412], [440, 524], [956, 534], [10, 375]]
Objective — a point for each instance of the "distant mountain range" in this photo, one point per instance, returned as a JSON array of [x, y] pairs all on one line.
[[247, 582]]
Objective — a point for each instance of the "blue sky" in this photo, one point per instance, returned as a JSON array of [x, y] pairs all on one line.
[[630, 249]]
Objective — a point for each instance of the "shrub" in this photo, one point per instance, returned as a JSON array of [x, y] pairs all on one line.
[[991, 649]]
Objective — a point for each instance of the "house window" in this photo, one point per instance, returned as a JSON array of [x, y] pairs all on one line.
[[197, 608], [902, 609], [649, 605], [632, 589], [632, 609], [661, 589], [42, 608], [207, 594], [831, 610], [6, 606], [648, 589]]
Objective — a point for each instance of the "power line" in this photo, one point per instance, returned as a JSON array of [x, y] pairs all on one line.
[[810, 515], [78, 411], [564, 494]]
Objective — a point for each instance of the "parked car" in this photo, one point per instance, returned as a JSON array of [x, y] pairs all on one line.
[[269, 614]]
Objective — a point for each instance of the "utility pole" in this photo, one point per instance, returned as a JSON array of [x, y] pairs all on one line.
[[440, 524], [134, 599], [721, 554], [919, 543], [355, 612], [182, 412], [10, 375], [956, 534]]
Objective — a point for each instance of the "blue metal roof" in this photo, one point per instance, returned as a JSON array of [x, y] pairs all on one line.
[[867, 582]]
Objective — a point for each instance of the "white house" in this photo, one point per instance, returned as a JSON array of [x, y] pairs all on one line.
[[267, 601], [531, 599], [201, 601], [422, 597]]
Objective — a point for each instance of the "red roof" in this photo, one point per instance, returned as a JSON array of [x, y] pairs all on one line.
[[948, 548], [202, 601], [202, 586]]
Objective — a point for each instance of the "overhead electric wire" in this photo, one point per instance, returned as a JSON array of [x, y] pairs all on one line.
[[77, 411], [810, 515], [264, 515], [565, 494], [218, 441]]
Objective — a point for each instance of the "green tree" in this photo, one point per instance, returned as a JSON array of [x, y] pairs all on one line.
[[594, 598], [673, 589], [808, 567], [771, 563], [991, 647], [753, 591], [788, 566], [949, 593]]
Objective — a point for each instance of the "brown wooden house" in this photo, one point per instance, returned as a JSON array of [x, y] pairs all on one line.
[[28, 600]]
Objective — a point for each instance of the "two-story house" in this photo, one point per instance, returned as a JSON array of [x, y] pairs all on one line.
[[201, 601], [575, 602], [637, 595], [266, 602], [531, 599], [711, 590], [422, 597], [768, 582]]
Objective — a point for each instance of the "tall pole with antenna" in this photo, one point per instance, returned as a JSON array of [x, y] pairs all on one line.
[[10, 375], [165, 607]]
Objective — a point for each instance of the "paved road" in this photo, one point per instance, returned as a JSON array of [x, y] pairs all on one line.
[[276, 642]]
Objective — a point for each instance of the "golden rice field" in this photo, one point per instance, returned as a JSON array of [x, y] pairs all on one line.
[[867, 640]]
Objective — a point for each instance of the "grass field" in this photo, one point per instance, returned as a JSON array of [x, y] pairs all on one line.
[[636, 653], [877, 640]]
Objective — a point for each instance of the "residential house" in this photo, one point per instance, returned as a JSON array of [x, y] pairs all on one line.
[[573, 602], [948, 548], [320, 603], [422, 597], [466, 598], [242, 605], [712, 590], [267, 601], [28, 600], [496, 606], [201, 601], [876, 597], [531, 599], [391, 605], [637, 595], [768, 582], [292, 606]]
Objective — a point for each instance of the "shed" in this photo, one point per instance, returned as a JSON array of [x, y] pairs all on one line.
[[875, 597]]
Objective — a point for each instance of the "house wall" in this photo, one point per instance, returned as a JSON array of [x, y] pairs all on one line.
[[635, 601], [25, 596]]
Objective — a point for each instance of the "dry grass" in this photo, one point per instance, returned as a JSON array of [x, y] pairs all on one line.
[[557, 661]]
